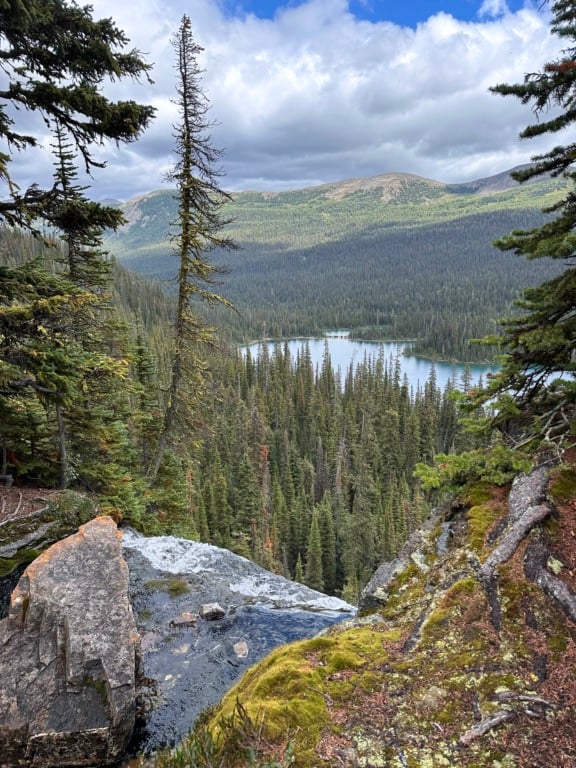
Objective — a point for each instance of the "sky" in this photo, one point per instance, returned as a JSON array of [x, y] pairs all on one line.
[[304, 92]]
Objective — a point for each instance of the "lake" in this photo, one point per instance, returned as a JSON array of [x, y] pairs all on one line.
[[344, 352]]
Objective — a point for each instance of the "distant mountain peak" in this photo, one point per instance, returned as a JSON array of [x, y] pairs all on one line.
[[392, 185]]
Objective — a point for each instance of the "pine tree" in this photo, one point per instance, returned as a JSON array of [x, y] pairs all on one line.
[[55, 58], [328, 540], [313, 577], [41, 363], [79, 222]]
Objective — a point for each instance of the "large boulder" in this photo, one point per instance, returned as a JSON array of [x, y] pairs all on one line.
[[68, 652], [206, 615]]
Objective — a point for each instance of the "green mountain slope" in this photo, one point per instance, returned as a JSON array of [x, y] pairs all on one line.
[[389, 256]]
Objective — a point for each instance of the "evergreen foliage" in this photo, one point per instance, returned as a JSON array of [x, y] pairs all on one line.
[[535, 390], [56, 57], [317, 473], [198, 232]]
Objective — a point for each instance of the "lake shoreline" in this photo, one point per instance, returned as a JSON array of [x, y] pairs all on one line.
[[431, 358], [344, 351]]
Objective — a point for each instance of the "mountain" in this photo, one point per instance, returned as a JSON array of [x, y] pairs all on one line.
[[329, 212], [386, 255]]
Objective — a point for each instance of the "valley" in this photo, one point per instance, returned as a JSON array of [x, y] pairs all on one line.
[[392, 256]]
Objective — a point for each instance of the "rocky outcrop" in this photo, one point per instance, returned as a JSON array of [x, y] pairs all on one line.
[[465, 659], [68, 651], [205, 616], [30, 523], [375, 593]]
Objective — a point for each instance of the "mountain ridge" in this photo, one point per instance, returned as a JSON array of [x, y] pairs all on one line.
[[389, 256], [337, 189]]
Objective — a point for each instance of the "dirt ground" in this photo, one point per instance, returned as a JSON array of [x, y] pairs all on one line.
[[22, 501]]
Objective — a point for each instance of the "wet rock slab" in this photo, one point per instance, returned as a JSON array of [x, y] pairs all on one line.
[[191, 662]]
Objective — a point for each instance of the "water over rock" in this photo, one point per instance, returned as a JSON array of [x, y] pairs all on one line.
[[68, 652], [189, 660]]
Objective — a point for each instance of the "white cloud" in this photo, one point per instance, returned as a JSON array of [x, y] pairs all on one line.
[[316, 95], [493, 8]]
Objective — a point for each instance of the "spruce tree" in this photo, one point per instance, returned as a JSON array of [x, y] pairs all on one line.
[[313, 576], [199, 228], [55, 58], [79, 222], [535, 389]]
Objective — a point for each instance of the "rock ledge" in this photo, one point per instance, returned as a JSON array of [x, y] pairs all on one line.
[[68, 651]]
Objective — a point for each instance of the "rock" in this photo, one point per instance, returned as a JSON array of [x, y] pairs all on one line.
[[192, 666], [241, 649], [68, 651], [23, 538], [186, 619], [212, 611], [375, 593]]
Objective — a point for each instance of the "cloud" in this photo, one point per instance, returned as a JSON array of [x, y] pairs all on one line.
[[316, 95], [493, 8]]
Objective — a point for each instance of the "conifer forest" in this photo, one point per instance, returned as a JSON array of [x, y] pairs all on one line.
[[112, 386]]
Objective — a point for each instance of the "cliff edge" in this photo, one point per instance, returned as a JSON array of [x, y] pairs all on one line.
[[463, 655]]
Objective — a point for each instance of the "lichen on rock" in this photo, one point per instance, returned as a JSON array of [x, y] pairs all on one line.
[[428, 678], [68, 652]]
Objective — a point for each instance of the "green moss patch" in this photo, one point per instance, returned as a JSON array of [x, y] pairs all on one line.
[[481, 518], [174, 587]]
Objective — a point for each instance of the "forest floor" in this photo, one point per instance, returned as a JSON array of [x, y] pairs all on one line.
[[16, 502]]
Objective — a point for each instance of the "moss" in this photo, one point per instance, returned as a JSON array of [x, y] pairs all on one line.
[[436, 624], [407, 588], [71, 509], [101, 689], [404, 577], [174, 587], [291, 686], [490, 684], [476, 494], [321, 643], [480, 520], [460, 590], [23, 557], [562, 487]]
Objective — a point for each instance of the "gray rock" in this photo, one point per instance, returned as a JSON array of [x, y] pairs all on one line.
[[186, 619], [212, 611], [191, 666], [68, 651], [375, 593]]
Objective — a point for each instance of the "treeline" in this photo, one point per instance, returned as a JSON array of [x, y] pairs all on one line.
[[442, 285], [311, 476]]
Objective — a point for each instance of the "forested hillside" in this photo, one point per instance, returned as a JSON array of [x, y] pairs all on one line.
[[393, 256], [309, 474], [312, 476]]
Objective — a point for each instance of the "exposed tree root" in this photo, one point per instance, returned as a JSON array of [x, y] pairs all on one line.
[[533, 706], [535, 560], [512, 537], [527, 506], [482, 728]]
